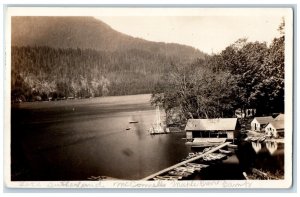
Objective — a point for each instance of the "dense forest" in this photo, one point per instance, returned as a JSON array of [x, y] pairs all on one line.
[[245, 75], [40, 73], [79, 57]]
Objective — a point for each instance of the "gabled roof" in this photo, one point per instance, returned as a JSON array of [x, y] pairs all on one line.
[[277, 124], [211, 124], [264, 120], [280, 117]]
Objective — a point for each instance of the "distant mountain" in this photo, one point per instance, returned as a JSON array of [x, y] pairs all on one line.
[[87, 33], [83, 57]]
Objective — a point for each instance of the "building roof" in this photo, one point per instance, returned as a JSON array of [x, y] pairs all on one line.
[[280, 117], [277, 124], [264, 120], [211, 124]]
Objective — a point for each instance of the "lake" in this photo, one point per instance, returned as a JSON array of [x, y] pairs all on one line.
[[77, 139]]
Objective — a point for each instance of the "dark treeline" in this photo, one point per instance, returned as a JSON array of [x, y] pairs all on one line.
[[57, 57], [40, 73], [246, 75]]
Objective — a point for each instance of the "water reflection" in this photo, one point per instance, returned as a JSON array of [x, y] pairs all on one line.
[[256, 146], [268, 155], [271, 146]]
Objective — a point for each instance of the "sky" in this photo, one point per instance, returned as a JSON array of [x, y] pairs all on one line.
[[210, 30], [210, 34]]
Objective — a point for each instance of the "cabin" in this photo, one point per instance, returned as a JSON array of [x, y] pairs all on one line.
[[279, 117], [211, 130], [275, 129], [259, 123]]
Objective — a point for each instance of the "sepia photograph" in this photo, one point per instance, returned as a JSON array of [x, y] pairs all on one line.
[[148, 97]]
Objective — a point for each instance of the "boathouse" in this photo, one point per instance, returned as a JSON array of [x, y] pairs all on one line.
[[211, 130], [259, 123]]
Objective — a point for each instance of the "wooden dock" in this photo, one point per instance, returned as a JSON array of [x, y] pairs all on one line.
[[185, 162]]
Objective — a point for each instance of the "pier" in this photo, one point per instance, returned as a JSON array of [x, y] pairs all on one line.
[[185, 162]]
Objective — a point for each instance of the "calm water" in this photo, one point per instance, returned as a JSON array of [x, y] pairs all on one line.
[[77, 139]]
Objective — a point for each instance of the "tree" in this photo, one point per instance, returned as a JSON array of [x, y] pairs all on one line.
[[269, 92], [197, 93]]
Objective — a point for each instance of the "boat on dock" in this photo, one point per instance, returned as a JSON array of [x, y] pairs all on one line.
[[167, 178], [196, 166], [101, 178], [227, 152], [182, 172], [178, 173], [214, 157]]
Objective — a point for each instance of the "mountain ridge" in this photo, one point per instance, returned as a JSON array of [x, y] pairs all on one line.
[[87, 33], [57, 57]]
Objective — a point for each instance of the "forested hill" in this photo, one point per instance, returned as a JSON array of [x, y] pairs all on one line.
[[87, 33], [81, 57]]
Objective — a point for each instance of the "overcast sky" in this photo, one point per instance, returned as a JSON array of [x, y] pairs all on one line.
[[208, 29], [207, 33]]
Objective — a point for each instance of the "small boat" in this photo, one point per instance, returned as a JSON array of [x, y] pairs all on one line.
[[133, 122], [101, 178], [234, 146], [227, 152], [195, 166], [191, 155], [167, 178], [185, 169], [128, 128], [207, 149], [214, 156], [175, 173], [179, 173]]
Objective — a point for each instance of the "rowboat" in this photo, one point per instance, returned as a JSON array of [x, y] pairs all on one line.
[[196, 166], [213, 157], [167, 178], [227, 152], [179, 173], [234, 146]]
